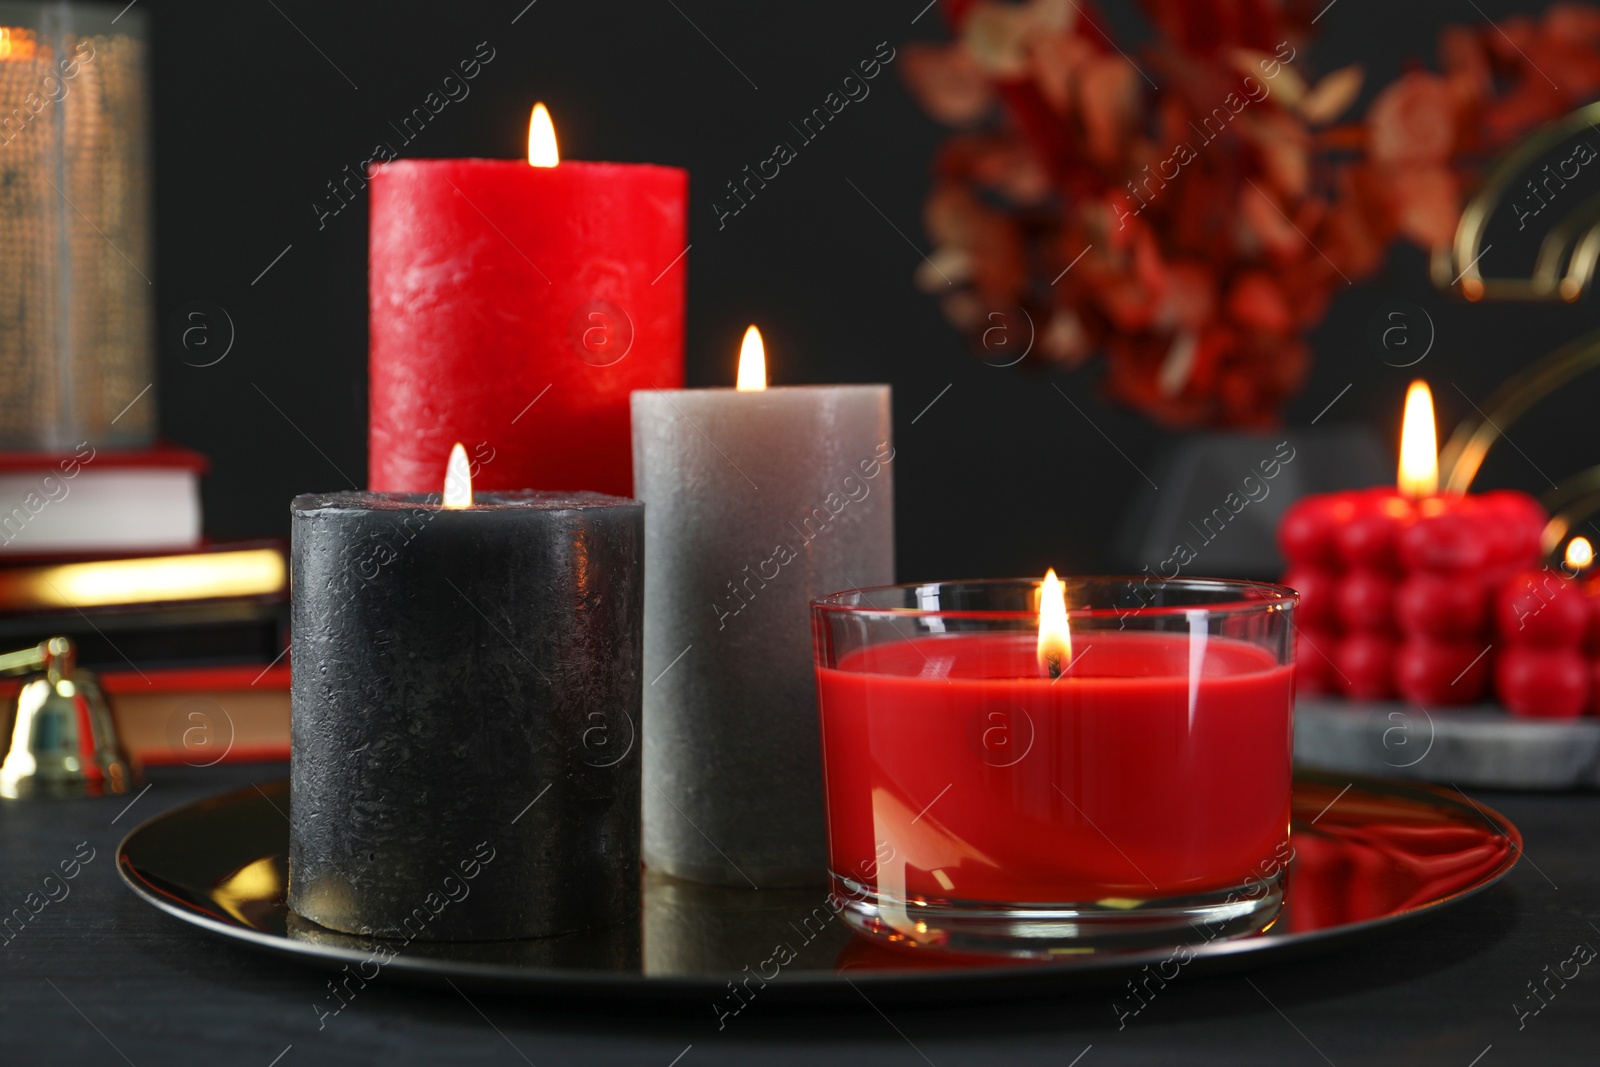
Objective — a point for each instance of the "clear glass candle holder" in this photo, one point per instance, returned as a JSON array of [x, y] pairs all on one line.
[[1124, 784]]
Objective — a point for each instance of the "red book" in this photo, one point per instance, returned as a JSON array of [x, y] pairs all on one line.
[[198, 716]]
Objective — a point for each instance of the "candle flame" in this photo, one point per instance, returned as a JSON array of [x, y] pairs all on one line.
[[1055, 637], [1580, 553], [542, 151], [457, 479], [1419, 444], [752, 363]]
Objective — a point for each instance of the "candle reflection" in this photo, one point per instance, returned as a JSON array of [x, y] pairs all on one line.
[[1356, 857]]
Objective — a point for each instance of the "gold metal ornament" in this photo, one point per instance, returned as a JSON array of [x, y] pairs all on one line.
[[1567, 258], [1463, 454], [1563, 271], [60, 738]]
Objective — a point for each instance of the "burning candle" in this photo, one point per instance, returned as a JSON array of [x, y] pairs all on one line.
[[1396, 585], [465, 708], [514, 306], [760, 499], [1007, 774], [1579, 555]]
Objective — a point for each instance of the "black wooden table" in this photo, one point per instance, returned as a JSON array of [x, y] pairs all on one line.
[[99, 976]]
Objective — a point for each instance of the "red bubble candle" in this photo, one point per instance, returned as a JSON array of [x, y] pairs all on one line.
[[1543, 620], [1397, 585], [514, 307]]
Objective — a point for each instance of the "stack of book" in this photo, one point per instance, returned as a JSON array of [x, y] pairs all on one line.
[[189, 636]]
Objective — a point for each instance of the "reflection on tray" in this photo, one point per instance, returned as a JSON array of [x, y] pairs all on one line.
[[1368, 857], [692, 929], [1363, 852], [614, 948], [1358, 857]]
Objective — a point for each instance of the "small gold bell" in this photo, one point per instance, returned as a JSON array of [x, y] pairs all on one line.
[[60, 739]]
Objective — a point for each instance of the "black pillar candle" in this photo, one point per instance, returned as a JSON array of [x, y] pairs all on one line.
[[466, 702]]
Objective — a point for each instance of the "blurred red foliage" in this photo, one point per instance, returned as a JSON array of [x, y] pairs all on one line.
[[1215, 192]]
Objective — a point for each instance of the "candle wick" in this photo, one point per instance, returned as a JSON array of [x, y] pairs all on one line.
[[1052, 663]]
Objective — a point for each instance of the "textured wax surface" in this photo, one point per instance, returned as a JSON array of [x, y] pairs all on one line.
[[465, 714], [758, 502], [494, 285]]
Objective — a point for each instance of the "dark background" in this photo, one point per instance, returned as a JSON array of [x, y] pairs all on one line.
[[254, 114]]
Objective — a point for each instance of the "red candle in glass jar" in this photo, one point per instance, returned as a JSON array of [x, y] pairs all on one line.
[[986, 767], [1397, 584], [514, 307], [1128, 781]]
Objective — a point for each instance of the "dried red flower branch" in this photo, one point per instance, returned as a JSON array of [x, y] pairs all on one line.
[[1208, 196]]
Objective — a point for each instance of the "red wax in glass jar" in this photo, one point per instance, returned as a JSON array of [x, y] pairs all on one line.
[[513, 309], [1158, 765]]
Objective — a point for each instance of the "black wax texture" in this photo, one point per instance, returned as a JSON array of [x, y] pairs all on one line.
[[466, 691]]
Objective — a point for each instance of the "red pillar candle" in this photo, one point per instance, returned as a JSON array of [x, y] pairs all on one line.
[[514, 307]]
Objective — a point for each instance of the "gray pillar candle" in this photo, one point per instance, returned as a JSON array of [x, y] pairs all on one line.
[[759, 500], [465, 706]]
